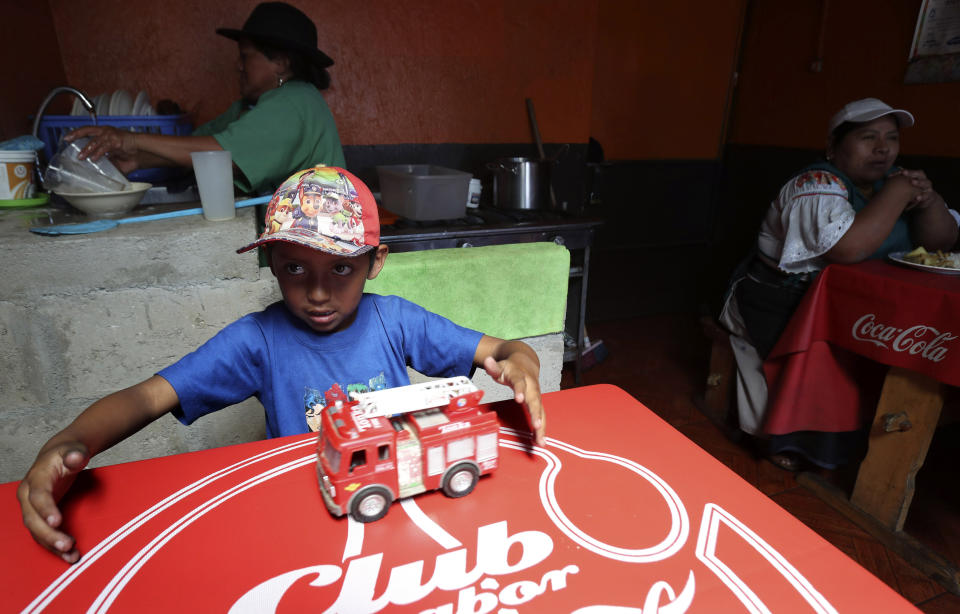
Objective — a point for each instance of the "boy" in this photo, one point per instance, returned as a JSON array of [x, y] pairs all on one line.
[[325, 330]]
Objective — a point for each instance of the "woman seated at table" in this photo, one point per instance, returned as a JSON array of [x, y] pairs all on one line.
[[280, 125], [853, 206]]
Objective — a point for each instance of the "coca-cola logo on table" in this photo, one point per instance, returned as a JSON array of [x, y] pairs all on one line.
[[919, 339], [546, 554]]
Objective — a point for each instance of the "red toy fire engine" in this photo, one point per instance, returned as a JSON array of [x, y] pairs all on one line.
[[384, 445]]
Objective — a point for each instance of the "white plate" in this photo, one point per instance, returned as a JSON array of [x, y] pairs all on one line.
[[101, 104], [121, 103], [141, 104], [898, 257]]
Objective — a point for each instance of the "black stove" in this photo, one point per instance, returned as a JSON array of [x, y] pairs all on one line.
[[489, 226], [404, 223]]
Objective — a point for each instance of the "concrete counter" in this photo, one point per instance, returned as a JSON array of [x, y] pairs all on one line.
[[84, 315]]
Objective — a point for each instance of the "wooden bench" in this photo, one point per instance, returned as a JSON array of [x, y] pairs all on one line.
[[720, 391]]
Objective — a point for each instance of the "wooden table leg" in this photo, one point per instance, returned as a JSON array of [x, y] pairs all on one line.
[[903, 427]]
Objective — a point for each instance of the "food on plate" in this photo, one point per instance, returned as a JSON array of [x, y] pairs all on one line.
[[940, 259]]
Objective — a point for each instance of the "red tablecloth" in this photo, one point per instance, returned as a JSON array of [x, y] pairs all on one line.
[[619, 509], [891, 314]]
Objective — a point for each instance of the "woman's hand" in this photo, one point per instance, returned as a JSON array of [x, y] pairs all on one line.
[[927, 196], [119, 145], [45, 483], [873, 223], [902, 188], [931, 224]]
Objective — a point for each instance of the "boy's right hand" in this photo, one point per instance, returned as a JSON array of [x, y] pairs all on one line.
[[48, 479], [98, 427]]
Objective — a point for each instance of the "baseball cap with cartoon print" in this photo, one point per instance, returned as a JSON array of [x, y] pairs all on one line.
[[325, 208]]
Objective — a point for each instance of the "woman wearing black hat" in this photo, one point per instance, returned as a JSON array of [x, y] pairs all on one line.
[[281, 123]]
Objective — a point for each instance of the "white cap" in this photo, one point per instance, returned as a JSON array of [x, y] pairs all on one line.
[[868, 109]]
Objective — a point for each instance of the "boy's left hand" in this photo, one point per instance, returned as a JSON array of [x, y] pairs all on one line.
[[526, 391]]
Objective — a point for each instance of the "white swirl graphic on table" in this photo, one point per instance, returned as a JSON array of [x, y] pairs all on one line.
[[679, 522], [713, 516], [675, 539], [426, 524], [119, 581], [66, 578]]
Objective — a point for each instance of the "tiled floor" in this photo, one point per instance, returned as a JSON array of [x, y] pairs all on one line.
[[662, 361]]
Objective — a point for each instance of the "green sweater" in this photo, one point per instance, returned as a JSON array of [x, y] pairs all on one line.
[[289, 129]]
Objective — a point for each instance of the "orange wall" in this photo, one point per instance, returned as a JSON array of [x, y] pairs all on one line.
[[866, 43], [661, 77], [438, 71], [407, 71], [648, 80], [31, 65]]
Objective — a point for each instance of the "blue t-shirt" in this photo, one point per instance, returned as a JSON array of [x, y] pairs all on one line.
[[277, 358]]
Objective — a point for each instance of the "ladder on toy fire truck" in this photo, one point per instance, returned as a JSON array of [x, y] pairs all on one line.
[[393, 401]]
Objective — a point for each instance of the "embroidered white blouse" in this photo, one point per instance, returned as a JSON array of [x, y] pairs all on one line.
[[807, 218]]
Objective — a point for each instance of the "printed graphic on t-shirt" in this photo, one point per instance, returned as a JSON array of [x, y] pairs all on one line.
[[314, 400]]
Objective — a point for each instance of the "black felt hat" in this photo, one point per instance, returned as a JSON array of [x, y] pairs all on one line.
[[280, 25]]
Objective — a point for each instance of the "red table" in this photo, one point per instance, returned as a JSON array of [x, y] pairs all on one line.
[[903, 320], [890, 314], [619, 510]]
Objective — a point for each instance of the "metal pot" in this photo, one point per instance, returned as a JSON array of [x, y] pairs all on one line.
[[521, 183]]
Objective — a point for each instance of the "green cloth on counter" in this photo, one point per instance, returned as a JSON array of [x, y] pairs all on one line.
[[507, 291]]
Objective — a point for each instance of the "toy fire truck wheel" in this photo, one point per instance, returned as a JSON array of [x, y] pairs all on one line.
[[460, 480], [371, 504]]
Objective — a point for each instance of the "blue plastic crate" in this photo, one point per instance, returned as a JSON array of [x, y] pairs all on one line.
[[52, 127]]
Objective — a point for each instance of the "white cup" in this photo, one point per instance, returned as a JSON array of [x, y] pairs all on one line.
[[16, 174], [214, 172], [473, 200]]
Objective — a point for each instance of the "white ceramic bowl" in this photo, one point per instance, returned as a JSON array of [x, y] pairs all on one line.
[[108, 204]]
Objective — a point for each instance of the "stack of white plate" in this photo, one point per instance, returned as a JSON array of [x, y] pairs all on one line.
[[119, 102]]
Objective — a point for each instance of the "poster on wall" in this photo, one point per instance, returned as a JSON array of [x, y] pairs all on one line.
[[935, 52]]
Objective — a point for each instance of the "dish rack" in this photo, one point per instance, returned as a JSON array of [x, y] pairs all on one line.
[[52, 127]]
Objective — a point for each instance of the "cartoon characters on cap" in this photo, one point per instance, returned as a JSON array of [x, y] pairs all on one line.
[[283, 216], [305, 216], [324, 208]]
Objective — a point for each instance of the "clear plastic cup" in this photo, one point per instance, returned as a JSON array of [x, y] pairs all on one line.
[[66, 172], [214, 172]]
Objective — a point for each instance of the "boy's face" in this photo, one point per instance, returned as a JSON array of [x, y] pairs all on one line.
[[321, 289]]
